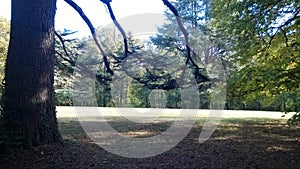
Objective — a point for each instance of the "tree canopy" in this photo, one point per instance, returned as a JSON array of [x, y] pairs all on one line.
[[257, 42], [262, 38]]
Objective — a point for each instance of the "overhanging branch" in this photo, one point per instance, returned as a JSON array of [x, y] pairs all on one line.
[[69, 59], [186, 38], [93, 32], [112, 15], [182, 29]]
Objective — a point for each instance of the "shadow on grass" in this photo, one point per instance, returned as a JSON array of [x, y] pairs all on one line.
[[236, 143]]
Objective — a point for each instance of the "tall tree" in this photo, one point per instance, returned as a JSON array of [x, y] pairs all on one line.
[[29, 107], [198, 39]]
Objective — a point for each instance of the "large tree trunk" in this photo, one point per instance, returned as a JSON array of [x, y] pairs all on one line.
[[29, 107]]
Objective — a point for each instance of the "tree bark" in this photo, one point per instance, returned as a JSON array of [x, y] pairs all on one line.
[[29, 106]]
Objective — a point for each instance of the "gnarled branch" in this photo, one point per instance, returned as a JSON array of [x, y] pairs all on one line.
[[72, 62], [93, 32], [112, 15], [186, 38]]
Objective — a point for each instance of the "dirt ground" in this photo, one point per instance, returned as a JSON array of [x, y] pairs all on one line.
[[236, 143]]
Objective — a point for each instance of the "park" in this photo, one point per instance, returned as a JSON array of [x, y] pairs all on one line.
[[202, 84]]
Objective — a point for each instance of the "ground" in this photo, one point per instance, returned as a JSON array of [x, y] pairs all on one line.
[[237, 143]]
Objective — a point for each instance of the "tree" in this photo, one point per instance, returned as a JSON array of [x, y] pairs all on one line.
[[29, 106], [151, 80], [67, 51], [4, 40], [203, 46], [262, 38]]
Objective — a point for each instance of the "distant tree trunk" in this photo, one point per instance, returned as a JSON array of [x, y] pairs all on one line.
[[29, 106]]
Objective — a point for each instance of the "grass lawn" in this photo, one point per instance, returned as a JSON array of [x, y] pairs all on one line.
[[236, 143]]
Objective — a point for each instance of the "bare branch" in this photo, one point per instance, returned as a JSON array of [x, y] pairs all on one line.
[[112, 15], [186, 38], [93, 32], [66, 59], [183, 30], [65, 50], [285, 37], [282, 26]]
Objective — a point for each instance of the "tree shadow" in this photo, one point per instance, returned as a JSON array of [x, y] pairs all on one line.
[[236, 143]]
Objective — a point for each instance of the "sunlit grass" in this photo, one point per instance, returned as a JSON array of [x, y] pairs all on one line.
[[229, 128]]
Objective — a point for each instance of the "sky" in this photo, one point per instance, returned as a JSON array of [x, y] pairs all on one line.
[[67, 18]]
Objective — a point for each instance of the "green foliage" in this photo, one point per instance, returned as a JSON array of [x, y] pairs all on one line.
[[79, 58], [112, 44], [4, 40], [103, 95], [195, 15], [263, 38], [173, 98], [138, 94], [257, 41], [67, 53], [63, 97]]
